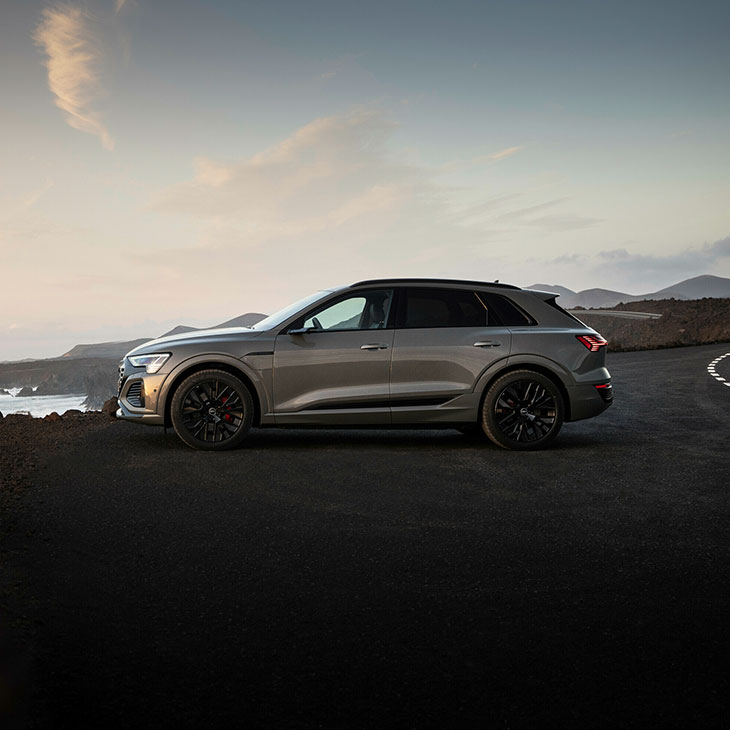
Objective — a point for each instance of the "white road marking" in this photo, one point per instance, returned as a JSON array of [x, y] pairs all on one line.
[[711, 369]]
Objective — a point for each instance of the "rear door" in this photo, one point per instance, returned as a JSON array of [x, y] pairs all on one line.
[[444, 340]]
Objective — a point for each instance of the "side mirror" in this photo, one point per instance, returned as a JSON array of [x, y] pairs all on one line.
[[300, 331]]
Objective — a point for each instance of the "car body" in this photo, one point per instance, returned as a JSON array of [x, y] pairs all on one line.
[[388, 352]]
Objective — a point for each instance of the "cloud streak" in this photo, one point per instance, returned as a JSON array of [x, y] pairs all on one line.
[[72, 61], [507, 152]]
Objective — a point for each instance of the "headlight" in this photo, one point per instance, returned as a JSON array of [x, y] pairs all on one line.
[[152, 363]]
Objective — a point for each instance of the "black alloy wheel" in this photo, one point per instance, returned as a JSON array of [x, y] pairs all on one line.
[[212, 410], [523, 410]]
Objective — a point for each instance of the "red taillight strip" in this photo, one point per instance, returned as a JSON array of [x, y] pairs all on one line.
[[605, 385], [593, 342]]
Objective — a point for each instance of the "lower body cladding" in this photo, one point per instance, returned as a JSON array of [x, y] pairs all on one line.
[[139, 402], [584, 401]]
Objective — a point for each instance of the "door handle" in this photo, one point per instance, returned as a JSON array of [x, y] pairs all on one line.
[[374, 347], [487, 343]]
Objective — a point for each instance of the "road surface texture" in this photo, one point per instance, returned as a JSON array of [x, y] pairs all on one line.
[[399, 579]]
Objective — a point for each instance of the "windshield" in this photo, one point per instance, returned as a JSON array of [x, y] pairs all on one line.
[[273, 320]]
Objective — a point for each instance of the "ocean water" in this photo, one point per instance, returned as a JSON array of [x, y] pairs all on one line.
[[39, 405]]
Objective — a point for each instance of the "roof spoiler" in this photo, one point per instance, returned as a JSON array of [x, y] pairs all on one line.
[[546, 296]]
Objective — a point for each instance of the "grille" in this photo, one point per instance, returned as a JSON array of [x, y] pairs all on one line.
[[134, 395]]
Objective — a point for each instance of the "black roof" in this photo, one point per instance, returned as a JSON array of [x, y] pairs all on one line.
[[369, 282]]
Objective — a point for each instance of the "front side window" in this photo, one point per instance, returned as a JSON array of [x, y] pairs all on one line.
[[362, 311], [443, 308]]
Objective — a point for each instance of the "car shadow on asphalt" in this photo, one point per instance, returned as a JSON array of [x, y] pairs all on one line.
[[302, 439]]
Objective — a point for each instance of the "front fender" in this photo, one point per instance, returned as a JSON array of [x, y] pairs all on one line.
[[211, 360]]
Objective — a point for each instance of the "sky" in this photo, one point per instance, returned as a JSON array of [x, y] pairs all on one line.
[[184, 162]]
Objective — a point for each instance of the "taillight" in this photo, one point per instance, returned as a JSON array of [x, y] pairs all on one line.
[[593, 342]]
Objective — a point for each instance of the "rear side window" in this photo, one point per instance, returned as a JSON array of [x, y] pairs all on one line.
[[506, 312], [443, 308]]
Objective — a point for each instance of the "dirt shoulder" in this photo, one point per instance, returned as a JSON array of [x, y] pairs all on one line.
[[683, 323], [25, 442]]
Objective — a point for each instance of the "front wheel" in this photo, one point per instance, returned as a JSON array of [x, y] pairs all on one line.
[[212, 410], [523, 411]]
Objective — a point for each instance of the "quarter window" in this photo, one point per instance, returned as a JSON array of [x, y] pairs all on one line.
[[505, 312]]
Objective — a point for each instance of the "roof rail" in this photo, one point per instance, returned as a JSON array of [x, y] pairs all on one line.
[[368, 282]]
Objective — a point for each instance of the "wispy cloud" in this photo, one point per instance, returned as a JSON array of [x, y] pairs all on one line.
[[491, 158], [119, 4], [332, 170], [35, 196], [73, 60], [506, 152]]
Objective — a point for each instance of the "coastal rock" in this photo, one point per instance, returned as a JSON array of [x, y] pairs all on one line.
[[73, 412], [99, 388], [25, 392], [110, 408], [52, 417], [51, 385]]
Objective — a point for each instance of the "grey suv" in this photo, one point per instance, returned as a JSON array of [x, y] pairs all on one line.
[[388, 353]]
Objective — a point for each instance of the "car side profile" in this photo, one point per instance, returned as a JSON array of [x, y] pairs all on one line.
[[384, 353]]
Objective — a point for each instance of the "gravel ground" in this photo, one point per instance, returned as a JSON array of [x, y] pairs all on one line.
[[372, 579]]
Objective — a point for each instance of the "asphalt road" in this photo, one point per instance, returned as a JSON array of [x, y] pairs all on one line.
[[373, 579]]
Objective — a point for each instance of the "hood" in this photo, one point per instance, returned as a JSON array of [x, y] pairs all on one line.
[[224, 334]]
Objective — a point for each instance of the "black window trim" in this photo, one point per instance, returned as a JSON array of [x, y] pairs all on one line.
[[347, 294]]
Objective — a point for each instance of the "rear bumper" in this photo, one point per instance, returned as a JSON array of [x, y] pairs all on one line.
[[587, 401]]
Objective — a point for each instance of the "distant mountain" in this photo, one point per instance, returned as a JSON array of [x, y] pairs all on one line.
[[179, 330], [244, 320], [563, 291], [118, 350], [717, 287], [104, 349], [695, 288]]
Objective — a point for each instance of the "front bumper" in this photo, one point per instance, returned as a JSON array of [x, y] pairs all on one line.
[[149, 419], [139, 395]]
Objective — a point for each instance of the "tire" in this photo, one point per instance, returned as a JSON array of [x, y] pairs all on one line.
[[523, 411], [212, 410]]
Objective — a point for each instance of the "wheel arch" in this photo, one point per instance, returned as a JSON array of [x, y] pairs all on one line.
[[215, 362], [538, 367]]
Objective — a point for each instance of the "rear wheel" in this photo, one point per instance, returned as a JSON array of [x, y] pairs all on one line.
[[212, 410], [523, 410]]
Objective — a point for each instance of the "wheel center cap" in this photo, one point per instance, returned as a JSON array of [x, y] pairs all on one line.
[[523, 411], [212, 411]]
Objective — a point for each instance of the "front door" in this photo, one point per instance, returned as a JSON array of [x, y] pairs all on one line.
[[333, 365]]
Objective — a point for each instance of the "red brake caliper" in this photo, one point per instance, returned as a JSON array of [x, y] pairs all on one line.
[[227, 416]]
